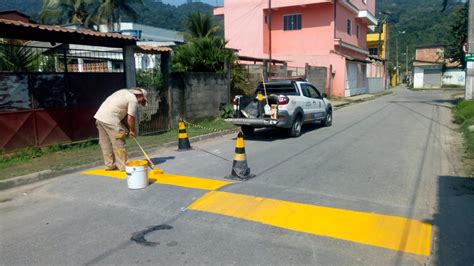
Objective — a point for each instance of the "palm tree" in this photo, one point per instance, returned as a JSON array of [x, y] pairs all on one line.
[[16, 57], [65, 11], [112, 11], [201, 25]]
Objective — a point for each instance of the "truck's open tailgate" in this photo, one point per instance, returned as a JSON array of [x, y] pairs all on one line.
[[257, 122]]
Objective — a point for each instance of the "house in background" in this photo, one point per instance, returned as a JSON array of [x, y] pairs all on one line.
[[428, 66], [16, 16], [148, 36], [325, 33], [377, 71]]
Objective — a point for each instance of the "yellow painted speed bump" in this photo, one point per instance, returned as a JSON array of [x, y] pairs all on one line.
[[167, 179], [385, 231], [183, 140], [240, 169]]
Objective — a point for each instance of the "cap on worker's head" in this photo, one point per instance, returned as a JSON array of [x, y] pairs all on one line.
[[138, 91]]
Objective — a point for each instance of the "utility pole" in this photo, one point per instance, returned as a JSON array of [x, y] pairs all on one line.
[[270, 30], [469, 94], [406, 63], [397, 66]]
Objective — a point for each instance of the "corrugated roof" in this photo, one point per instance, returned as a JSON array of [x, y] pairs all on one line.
[[50, 28]]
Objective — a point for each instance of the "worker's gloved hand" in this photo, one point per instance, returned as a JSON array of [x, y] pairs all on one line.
[[131, 134]]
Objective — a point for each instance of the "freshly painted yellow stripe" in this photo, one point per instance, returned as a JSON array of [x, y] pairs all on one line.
[[183, 135], [392, 232], [167, 179]]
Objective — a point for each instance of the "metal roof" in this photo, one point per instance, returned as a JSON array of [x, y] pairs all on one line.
[[30, 31]]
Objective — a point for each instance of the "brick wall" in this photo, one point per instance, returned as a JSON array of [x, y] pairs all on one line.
[[432, 54], [196, 96]]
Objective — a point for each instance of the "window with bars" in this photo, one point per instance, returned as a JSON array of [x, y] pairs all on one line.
[[292, 22]]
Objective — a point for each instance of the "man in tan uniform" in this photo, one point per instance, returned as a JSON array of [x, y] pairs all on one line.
[[116, 117]]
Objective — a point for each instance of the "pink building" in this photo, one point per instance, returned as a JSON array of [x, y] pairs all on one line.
[[317, 32]]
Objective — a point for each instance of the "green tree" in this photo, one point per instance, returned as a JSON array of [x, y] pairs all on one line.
[[113, 11], [16, 57], [65, 11], [458, 35], [199, 25], [206, 54]]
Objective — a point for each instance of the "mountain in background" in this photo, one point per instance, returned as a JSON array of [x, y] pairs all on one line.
[[415, 23], [421, 20]]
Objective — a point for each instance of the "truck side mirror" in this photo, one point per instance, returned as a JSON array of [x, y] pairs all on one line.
[[325, 95]]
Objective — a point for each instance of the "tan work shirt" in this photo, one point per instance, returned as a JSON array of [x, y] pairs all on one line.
[[116, 107]]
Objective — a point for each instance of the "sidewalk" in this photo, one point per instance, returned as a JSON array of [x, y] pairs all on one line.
[[339, 102]]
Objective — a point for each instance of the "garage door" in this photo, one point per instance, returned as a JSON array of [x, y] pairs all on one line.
[[432, 78]]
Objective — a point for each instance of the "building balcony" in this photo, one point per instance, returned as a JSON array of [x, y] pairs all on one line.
[[374, 37]]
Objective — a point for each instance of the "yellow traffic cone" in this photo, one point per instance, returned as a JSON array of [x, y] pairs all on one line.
[[183, 140], [240, 169]]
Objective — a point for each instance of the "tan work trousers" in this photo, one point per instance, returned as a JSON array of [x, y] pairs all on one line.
[[112, 143]]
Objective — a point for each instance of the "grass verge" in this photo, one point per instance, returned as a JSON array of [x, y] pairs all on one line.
[[58, 157], [464, 116]]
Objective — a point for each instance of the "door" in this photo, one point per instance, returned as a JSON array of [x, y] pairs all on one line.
[[432, 78], [319, 106], [313, 101]]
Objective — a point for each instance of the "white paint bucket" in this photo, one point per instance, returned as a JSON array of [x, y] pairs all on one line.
[[137, 174]]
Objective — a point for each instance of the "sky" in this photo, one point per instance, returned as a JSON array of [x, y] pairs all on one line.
[[179, 2]]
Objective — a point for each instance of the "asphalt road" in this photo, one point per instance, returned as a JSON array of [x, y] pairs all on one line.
[[334, 196]]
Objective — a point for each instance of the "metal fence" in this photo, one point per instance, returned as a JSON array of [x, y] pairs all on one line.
[[58, 59], [154, 117]]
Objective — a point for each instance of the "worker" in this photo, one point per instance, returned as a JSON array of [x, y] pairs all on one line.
[[115, 119]]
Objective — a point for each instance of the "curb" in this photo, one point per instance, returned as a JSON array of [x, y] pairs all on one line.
[[372, 97], [47, 174]]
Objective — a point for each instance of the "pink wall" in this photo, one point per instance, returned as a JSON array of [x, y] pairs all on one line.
[[315, 38], [360, 5], [245, 29], [342, 15]]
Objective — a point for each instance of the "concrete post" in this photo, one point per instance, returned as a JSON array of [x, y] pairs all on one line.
[[469, 94], [129, 66]]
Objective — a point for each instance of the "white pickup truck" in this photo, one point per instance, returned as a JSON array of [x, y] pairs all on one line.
[[294, 102]]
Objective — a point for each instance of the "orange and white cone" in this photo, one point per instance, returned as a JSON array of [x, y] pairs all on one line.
[[240, 169]]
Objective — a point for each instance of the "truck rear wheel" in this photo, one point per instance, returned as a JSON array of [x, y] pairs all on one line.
[[248, 130], [295, 130]]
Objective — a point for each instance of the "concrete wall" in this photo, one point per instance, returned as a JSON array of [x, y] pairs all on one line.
[[418, 78], [197, 96], [318, 77], [456, 77]]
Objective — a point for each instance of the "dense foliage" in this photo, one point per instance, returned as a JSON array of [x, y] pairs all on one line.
[[423, 21], [151, 13]]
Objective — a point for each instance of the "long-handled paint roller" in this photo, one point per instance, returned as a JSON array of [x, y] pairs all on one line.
[[267, 107], [155, 170]]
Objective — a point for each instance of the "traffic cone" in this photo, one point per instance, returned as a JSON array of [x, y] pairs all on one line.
[[183, 140], [240, 169]]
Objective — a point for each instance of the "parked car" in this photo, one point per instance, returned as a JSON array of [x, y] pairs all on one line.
[[291, 103]]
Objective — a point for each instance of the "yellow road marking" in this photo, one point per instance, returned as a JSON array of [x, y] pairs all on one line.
[[391, 232], [167, 179]]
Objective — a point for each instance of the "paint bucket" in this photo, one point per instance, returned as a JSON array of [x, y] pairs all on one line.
[[137, 174]]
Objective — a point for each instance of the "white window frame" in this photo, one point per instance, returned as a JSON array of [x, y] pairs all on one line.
[[291, 15]]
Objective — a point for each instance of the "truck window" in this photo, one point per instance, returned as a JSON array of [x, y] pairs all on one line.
[[280, 89]]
